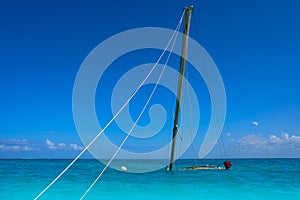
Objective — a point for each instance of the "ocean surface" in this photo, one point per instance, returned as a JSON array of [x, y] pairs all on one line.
[[247, 179]]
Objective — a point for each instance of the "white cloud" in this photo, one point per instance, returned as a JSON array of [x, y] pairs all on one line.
[[271, 143], [255, 123], [252, 140], [15, 145], [27, 148], [229, 134], [52, 146], [61, 145], [4, 147], [49, 143], [18, 145], [75, 147], [273, 139], [12, 142]]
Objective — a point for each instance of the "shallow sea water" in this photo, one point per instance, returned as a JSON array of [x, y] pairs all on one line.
[[247, 179]]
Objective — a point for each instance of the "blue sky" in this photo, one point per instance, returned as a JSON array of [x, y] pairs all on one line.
[[255, 44]]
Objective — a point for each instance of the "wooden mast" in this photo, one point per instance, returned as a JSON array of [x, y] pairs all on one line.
[[187, 19]]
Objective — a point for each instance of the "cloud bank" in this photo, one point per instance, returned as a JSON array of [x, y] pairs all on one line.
[[15, 145], [62, 146], [278, 145], [19, 145]]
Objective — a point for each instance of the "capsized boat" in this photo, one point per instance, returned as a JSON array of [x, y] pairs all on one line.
[[227, 164]]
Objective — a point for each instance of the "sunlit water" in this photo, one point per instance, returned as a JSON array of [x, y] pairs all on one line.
[[247, 179]]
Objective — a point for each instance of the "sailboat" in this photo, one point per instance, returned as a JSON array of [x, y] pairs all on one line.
[[170, 167], [227, 163]]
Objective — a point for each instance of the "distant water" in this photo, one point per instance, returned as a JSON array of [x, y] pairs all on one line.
[[247, 179]]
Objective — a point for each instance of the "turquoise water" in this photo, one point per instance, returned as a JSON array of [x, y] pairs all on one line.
[[247, 179]]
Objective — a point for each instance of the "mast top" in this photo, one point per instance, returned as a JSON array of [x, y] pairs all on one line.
[[189, 7]]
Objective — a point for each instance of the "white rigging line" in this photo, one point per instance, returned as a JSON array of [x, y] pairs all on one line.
[[135, 123], [116, 115], [214, 110]]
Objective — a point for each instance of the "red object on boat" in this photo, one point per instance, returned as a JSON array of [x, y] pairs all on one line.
[[227, 164]]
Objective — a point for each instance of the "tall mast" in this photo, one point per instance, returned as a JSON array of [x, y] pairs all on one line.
[[187, 19]]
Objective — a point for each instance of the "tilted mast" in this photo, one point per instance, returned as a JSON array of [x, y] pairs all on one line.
[[187, 19]]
